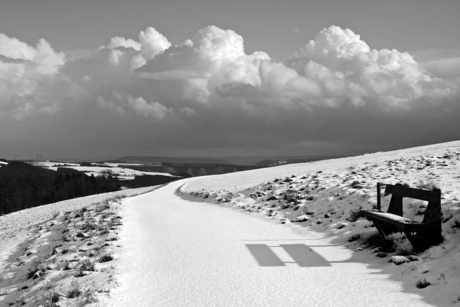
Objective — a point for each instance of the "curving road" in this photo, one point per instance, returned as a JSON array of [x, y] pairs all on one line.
[[179, 252]]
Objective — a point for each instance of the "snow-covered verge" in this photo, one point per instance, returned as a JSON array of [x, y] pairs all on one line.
[[321, 195], [60, 254], [10, 223]]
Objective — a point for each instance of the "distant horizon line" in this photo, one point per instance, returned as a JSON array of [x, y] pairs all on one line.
[[174, 157]]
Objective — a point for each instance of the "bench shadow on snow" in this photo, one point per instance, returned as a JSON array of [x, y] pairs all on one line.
[[302, 254]]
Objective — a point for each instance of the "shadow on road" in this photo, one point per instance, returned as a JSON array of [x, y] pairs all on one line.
[[302, 254]]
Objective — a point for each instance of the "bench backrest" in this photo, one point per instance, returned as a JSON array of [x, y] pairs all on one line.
[[433, 212], [406, 191]]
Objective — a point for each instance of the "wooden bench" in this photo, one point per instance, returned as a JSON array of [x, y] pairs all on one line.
[[421, 234]]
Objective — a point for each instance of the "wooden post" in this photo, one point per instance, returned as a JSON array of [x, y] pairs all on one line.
[[379, 205]]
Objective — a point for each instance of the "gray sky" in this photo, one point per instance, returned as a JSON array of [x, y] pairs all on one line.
[[111, 78]]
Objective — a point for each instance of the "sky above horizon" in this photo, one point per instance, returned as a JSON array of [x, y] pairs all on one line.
[[109, 78]]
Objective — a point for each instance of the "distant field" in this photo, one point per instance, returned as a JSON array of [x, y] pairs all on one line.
[[123, 171]]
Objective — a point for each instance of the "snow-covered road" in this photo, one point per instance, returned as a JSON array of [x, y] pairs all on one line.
[[179, 252]]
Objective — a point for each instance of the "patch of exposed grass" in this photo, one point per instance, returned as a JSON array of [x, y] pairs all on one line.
[[106, 258], [74, 290], [50, 299], [102, 207], [422, 283], [86, 265], [37, 269], [354, 237]]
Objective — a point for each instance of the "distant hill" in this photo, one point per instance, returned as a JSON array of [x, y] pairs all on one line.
[[192, 169], [270, 160], [67, 160], [240, 161], [291, 160], [154, 159], [266, 162], [147, 180]]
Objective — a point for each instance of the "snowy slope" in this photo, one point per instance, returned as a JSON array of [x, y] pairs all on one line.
[[319, 197]]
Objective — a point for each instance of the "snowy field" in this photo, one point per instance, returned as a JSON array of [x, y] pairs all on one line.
[[114, 169], [279, 236]]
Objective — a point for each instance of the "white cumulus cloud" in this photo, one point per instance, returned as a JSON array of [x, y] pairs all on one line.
[[209, 87], [346, 68], [154, 110], [212, 68], [29, 77]]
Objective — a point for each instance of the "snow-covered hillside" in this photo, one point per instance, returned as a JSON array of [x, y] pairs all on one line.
[[320, 197]]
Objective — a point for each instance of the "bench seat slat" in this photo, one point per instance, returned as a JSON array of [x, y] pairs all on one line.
[[391, 218]]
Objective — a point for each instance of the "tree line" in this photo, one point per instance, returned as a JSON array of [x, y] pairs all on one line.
[[25, 186]]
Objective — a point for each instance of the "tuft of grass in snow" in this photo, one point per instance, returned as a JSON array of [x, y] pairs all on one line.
[[50, 299], [86, 265], [37, 269], [373, 239], [422, 283], [89, 295], [352, 215], [428, 185], [401, 244], [354, 237], [106, 258], [456, 300], [102, 207], [74, 290]]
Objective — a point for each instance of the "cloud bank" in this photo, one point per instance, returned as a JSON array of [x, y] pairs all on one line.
[[207, 93]]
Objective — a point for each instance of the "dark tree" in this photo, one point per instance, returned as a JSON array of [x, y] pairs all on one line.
[[24, 186]]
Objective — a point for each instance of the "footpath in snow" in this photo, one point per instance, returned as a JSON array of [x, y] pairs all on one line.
[[184, 252]]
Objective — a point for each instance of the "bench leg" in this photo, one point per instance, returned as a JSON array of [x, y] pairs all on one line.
[[379, 227], [433, 220], [417, 241]]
